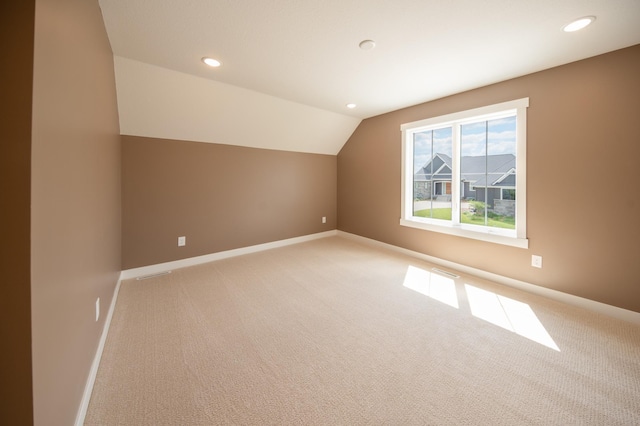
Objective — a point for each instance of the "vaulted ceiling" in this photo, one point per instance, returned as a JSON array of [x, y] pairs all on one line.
[[289, 67]]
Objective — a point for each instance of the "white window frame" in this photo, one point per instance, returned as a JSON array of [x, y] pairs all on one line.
[[515, 238]]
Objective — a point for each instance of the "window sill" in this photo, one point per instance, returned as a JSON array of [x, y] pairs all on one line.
[[467, 233]]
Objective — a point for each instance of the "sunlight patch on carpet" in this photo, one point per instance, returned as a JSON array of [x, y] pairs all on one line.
[[496, 309], [435, 286], [509, 314]]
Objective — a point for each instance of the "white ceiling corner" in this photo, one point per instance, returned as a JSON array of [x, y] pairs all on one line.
[[300, 59]]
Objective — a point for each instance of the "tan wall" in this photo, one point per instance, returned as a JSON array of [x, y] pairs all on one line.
[[583, 149], [16, 75], [220, 197], [75, 197]]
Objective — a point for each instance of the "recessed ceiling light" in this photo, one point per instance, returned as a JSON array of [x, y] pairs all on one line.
[[578, 24], [211, 62], [367, 44], [351, 106]]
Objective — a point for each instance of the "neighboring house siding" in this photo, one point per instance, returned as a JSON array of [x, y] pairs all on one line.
[[467, 192]]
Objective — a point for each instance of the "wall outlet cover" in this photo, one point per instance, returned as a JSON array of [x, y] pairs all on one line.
[[536, 261]]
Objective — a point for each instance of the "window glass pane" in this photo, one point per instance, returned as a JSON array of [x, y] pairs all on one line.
[[488, 173], [432, 151], [501, 148]]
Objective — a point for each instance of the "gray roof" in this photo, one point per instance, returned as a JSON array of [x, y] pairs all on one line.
[[434, 166], [475, 169], [501, 163]]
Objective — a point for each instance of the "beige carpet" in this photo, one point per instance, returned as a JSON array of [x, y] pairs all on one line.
[[331, 332]]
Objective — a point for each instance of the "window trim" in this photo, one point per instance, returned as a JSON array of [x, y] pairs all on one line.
[[517, 238]]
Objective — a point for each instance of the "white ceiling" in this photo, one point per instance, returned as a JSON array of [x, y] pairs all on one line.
[[307, 51]]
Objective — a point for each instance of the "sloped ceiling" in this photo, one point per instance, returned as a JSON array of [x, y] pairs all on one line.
[[162, 103], [288, 64]]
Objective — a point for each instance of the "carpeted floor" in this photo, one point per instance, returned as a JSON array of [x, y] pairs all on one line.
[[331, 332]]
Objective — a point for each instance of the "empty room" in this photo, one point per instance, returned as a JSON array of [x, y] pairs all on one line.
[[324, 213]]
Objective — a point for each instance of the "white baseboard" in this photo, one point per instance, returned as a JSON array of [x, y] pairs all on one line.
[[183, 263], [86, 396], [592, 305]]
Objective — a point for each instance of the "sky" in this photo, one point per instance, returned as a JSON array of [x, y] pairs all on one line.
[[501, 140]]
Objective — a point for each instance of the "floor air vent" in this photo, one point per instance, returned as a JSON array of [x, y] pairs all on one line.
[[146, 277], [449, 274]]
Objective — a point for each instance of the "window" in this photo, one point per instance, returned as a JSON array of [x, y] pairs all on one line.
[[462, 172]]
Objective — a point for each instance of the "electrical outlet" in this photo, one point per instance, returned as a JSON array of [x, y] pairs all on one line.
[[182, 241], [324, 219], [536, 261], [97, 309]]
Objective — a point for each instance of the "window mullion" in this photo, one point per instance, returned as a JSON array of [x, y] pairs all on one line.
[[486, 173], [455, 175]]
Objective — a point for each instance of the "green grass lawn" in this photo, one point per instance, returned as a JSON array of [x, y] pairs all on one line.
[[437, 213], [496, 221]]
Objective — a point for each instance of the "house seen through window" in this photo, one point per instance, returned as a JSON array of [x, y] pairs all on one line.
[[464, 173]]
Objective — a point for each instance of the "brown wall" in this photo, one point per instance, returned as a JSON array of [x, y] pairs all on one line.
[[583, 149], [220, 197], [75, 218], [16, 74]]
